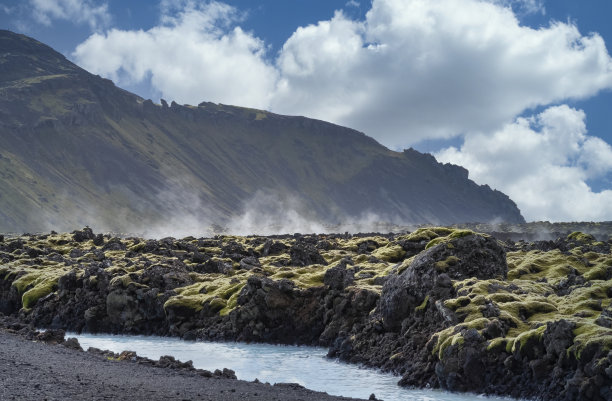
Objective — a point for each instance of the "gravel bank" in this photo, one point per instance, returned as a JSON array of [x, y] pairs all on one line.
[[38, 371]]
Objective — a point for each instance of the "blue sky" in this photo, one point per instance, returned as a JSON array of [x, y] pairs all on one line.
[[517, 91]]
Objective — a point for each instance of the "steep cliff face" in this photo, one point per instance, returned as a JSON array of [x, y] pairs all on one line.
[[78, 150]]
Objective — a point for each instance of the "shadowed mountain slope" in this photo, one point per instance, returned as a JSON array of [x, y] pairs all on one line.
[[76, 150]]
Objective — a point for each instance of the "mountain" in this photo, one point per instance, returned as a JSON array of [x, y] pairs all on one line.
[[75, 149]]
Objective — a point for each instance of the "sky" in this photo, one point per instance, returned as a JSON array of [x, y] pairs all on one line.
[[517, 91]]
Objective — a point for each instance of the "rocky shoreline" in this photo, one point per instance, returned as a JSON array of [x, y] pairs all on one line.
[[44, 365], [442, 307]]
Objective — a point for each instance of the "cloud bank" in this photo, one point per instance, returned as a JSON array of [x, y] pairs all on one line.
[[543, 163], [412, 70]]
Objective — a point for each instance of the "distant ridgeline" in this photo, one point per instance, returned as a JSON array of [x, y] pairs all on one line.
[[78, 150], [542, 230]]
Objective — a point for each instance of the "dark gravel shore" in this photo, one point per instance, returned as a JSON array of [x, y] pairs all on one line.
[[38, 371]]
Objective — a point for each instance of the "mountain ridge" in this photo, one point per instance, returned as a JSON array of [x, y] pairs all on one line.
[[78, 150]]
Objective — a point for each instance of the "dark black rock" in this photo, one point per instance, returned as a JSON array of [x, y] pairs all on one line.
[[273, 248], [558, 337], [339, 277], [249, 263], [83, 235], [430, 273], [304, 254], [113, 244], [235, 251], [72, 343], [213, 266], [52, 336], [98, 240], [198, 257]]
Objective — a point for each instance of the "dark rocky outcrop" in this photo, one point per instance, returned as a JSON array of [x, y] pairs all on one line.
[[304, 254], [440, 307], [429, 277]]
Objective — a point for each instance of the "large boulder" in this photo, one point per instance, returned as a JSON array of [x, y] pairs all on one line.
[[429, 277], [83, 235], [273, 248], [277, 311], [166, 276]]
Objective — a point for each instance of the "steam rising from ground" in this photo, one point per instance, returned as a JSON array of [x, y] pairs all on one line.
[[183, 213], [178, 210], [269, 213], [265, 213]]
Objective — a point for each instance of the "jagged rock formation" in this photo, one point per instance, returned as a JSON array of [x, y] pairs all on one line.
[[77, 150], [441, 307]]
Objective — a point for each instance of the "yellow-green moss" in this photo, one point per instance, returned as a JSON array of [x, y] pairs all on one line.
[[24, 281], [125, 281], [37, 284], [404, 265], [352, 245], [195, 302], [137, 247], [216, 304], [390, 253], [427, 234], [446, 338], [458, 302], [271, 263], [41, 289], [310, 276], [586, 333], [497, 343], [527, 300], [453, 234], [231, 304], [444, 264], [194, 289], [553, 266], [520, 341], [335, 255], [219, 291], [423, 305], [580, 237]]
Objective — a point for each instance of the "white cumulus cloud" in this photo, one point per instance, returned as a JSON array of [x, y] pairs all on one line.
[[543, 163], [79, 11], [411, 70], [421, 69], [193, 55]]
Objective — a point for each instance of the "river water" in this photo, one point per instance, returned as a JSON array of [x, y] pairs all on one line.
[[307, 366]]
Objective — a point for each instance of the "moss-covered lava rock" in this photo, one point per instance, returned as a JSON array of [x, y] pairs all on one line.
[[444, 307]]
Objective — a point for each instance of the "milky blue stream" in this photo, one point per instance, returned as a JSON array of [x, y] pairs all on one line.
[[307, 366]]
